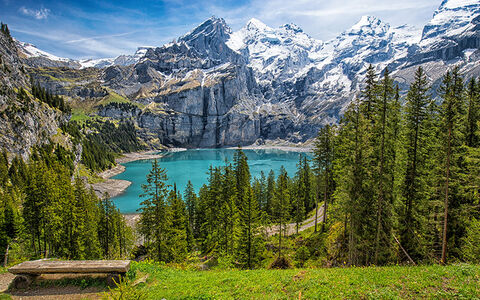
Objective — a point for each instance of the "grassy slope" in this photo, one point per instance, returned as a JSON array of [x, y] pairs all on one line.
[[462, 281]]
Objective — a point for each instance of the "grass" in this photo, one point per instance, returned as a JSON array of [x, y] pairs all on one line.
[[113, 98], [91, 176], [394, 282], [80, 116]]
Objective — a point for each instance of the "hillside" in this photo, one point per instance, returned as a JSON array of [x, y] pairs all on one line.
[[24, 120]]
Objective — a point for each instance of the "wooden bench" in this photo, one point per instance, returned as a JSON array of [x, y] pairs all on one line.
[[27, 271]]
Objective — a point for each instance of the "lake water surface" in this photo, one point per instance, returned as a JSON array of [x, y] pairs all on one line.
[[193, 165]]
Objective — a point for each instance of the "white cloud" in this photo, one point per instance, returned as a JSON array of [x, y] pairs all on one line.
[[38, 14]]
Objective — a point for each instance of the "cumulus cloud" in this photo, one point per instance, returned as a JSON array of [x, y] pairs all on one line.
[[38, 14]]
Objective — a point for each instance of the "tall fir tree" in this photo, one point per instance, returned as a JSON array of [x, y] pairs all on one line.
[[323, 159], [413, 187], [155, 218], [281, 205]]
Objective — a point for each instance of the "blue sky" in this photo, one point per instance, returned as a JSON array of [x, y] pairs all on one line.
[[96, 29]]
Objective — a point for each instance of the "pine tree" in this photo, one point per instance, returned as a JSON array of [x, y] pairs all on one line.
[[299, 196], [383, 140], [270, 193], [323, 158], [473, 114], [191, 204], [177, 241], [413, 191], [281, 205], [155, 221], [451, 114], [369, 94], [353, 197], [249, 244], [242, 174]]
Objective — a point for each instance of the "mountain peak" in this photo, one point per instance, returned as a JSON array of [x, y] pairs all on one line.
[[455, 4], [213, 26], [256, 24], [292, 27], [369, 25], [453, 17]]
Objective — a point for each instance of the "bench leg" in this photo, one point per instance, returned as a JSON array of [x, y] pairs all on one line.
[[23, 281]]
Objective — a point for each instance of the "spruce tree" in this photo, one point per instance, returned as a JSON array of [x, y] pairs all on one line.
[[154, 220], [281, 205], [413, 191], [270, 194], [473, 114], [451, 121], [177, 241], [191, 207], [250, 242], [323, 159]]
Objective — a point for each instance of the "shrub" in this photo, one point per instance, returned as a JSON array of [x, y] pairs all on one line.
[[280, 263]]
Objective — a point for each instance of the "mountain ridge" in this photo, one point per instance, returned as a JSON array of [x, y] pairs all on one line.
[[213, 87]]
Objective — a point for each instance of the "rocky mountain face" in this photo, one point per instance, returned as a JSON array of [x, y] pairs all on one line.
[[24, 122], [214, 87]]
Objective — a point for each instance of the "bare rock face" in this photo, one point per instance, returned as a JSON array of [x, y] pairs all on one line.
[[197, 92], [24, 122]]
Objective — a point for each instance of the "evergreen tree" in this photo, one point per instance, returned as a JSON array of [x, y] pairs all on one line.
[[413, 189], [155, 220], [249, 245], [281, 205], [270, 193], [369, 93], [299, 190], [383, 139], [473, 114], [191, 204], [353, 197], [323, 158], [451, 114], [177, 241]]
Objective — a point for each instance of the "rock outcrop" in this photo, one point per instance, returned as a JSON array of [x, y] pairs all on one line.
[[24, 122]]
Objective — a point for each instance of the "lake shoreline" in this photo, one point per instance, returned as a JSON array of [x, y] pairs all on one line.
[[116, 187]]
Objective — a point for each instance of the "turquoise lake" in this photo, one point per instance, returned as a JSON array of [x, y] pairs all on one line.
[[193, 165]]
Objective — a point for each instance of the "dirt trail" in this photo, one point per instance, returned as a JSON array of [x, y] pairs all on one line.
[[292, 227]]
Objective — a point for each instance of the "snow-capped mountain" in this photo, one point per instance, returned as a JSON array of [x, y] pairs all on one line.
[[214, 87], [452, 19], [274, 53], [47, 59], [31, 50]]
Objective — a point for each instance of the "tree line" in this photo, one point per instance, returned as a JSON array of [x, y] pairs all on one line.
[[102, 140], [392, 183], [44, 95], [4, 30], [47, 211], [405, 180], [229, 216]]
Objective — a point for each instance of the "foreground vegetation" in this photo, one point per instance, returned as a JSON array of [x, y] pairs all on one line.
[[392, 282]]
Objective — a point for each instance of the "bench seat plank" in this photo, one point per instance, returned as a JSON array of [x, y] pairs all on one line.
[[71, 266]]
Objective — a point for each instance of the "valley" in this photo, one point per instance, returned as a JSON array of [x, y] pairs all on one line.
[[259, 162]]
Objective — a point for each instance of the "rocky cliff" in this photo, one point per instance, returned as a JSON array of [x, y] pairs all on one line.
[[24, 121]]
